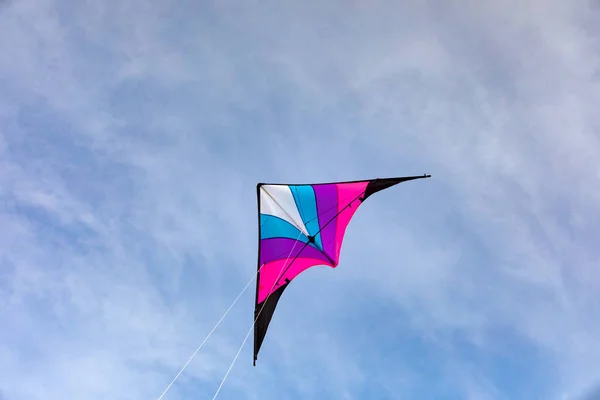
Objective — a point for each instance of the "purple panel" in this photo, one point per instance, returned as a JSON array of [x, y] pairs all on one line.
[[279, 249]]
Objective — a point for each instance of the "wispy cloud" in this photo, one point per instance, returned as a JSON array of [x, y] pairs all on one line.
[[133, 135]]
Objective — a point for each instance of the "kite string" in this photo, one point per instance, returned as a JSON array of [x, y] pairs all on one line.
[[234, 360], [281, 271], [208, 336]]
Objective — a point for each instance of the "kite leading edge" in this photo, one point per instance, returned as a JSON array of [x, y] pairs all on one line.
[[301, 226]]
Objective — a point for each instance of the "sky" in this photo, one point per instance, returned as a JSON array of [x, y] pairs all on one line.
[[132, 137]]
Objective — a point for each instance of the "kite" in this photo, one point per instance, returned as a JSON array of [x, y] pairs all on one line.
[[301, 226]]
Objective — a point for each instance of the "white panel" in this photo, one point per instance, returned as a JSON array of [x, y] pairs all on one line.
[[277, 200]]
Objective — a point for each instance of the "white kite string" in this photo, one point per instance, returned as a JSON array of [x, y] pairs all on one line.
[[208, 336], [255, 319]]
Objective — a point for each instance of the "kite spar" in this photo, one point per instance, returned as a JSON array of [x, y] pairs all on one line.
[[301, 226]]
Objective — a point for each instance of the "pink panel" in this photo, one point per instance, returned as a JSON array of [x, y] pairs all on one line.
[[271, 270], [347, 192]]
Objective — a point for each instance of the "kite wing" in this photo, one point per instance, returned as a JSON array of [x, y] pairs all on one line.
[[301, 226]]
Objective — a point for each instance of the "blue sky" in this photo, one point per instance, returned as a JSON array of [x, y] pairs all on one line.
[[132, 135]]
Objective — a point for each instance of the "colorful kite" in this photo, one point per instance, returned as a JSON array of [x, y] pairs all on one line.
[[301, 226]]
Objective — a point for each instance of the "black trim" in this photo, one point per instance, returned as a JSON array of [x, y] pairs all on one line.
[[376, 185], [262, 315], [256, 346], [404, 178]]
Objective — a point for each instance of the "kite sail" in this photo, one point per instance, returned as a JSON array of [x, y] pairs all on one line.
[[301, 226]]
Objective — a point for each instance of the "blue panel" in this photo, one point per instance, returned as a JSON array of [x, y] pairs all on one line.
[[272, 227], [305, 199]]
